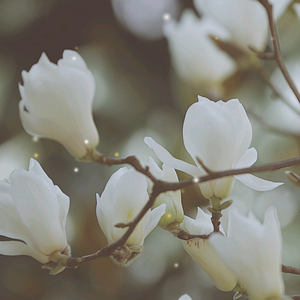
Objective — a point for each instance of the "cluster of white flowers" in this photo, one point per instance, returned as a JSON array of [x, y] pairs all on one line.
[[56, 104]]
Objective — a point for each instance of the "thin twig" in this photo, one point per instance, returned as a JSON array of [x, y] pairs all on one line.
[[205, 168], [291, 270], [277, 51], [261, 54], [161, 187], [183, 235]]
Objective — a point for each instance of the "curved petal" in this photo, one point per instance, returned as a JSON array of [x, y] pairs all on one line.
[[171, 161], [104, 220], [38, 208], [243, 128], [36, 168], [210, 134], [257, 183], [72, 136], [155, 216], [297, 9], [247, 160], [246, 20], [10, 224], [13, 248]]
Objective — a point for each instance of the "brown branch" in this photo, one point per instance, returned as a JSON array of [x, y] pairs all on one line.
[[161, 187], [276, 45], [291, 270], [183, 235], [261, 54], [295, 297], [205, 168]]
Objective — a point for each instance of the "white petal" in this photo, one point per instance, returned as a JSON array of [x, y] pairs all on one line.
[[37, 169], [104, 220], [155, 216], [279, 7], [248, 159], [257, 183], [246, 20], [253, 252], [195, 57], [169, 160], [185, 297], [38, 208], [210, 134], [297, 9], [10, 224], [69, 136], [13, 248], [242, 125]]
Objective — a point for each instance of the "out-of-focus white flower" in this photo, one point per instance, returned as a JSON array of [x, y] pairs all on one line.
[[57, 103], [145, 18], [296, 7], [279, 114], [253, 251], [185, 297], [218, 133], [246, 20], [123, 198], [195, 57], [33, 210], [204, 254], [174, 212]]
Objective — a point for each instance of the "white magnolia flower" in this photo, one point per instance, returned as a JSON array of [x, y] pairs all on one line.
[[174, 211], [185, 297], [34, 211], [204, 254], [195, 57], [219, 133], [296, 7], [145, 18], [246, 20], [277, 113], [57, 103], [123, 198], [253, 251]]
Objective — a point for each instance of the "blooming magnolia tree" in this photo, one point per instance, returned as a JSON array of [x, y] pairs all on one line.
[[56, 103]]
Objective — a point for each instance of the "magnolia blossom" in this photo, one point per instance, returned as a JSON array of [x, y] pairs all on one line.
[[253, 251], [145, 18], [33, 211], [123, 198], [204, 254], [174, 212], [246, 20], [218, 133], [57, 103], [297, 9], [195, 57]]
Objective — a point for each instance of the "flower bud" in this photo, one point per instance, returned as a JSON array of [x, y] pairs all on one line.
[[57, 103], [34, 211], [174, 212], [123, 198], [204, 254]]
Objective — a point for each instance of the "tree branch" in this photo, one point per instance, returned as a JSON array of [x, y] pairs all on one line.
[[290, 270], [161, 187], [277, 55]]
